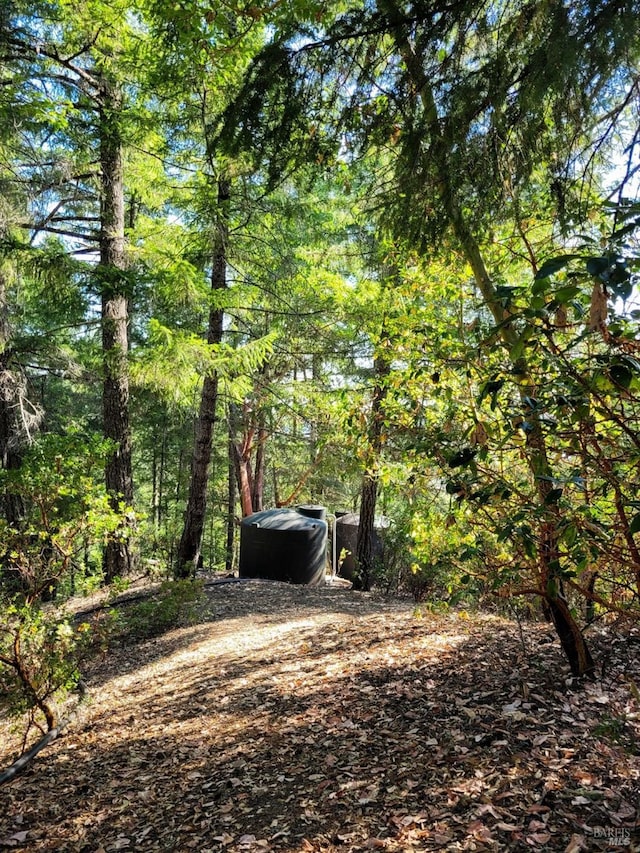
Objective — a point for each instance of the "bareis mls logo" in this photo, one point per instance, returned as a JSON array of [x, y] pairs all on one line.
[[616, 836]]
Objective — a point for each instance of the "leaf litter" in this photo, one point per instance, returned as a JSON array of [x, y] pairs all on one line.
[[298, 719]]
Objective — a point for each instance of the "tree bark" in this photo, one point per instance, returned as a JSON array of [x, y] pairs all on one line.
[[369, 489], [244, 478], [162, 509], [115, 395], [155, 503], [366, 528], [190, 545], [231, 507], [10, 384], [241, 453], [257, 498]]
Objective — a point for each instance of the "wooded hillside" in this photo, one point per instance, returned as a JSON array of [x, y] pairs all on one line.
[[380, 257]]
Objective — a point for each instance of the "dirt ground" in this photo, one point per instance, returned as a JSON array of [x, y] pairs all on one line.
[[298, 719]]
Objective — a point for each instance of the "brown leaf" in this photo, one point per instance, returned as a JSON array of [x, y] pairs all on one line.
[[625, 812], [576, 844], [538, 839], [536, 808], [598, 309], [487, 808], [14, 840], [479, 831]]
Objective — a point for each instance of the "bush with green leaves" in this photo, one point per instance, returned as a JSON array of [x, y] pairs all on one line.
[[427, 552], [54, 544], [37, 661], [66, 517], [175, 603], [437, 543]]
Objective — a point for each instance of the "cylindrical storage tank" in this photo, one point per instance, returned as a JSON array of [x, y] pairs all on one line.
[[313, 511], [347, 540], [283, 545]]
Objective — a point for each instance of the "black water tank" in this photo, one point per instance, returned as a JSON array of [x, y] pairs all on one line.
[[283, 545], [313, 511], [347, 540]]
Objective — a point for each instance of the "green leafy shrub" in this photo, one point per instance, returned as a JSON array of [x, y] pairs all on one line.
[[175, 603], [618, 730], [432, 545], [37, 661], [66, 518], [56, 541]]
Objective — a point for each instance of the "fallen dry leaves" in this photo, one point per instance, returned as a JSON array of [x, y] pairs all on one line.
[[295, 719]]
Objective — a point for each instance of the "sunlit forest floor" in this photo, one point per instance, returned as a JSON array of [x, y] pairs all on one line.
[[297, 719]]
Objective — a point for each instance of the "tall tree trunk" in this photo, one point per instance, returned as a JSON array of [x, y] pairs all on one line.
[[244, 477], [569, 633], [231, 508], [276, 488], [242, 453], [188, 554], [162, 508], [11, 385], [257, 498], [155, 502], [369, 489], [366, 530], [115, 394]]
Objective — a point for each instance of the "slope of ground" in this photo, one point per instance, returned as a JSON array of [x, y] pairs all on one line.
[[294, 719]]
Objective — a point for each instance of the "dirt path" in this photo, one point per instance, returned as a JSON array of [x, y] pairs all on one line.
[[294, 719]]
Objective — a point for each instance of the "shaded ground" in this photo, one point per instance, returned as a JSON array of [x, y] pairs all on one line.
[[295, 719]]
